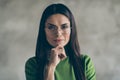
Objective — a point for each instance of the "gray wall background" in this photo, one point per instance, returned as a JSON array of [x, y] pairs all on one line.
[[98, 25]]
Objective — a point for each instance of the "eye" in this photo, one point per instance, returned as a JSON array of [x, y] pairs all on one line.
[[65, 27], [51, 27]]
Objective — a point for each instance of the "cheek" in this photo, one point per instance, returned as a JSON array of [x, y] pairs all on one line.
[[67, 37], [49, 36]]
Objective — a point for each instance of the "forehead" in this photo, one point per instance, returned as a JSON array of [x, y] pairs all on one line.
[[58, 19]]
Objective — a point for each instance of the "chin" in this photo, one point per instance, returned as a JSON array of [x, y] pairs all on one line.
[[55, 45]]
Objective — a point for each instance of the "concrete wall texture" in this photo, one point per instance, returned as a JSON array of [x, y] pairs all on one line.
[[98, 25]]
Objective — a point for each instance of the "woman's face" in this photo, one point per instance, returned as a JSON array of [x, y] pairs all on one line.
[[57, 30]]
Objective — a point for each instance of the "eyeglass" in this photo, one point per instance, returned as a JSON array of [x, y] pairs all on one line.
[[54, 28]]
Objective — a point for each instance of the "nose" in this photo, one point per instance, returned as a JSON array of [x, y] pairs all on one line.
[[58, 32]]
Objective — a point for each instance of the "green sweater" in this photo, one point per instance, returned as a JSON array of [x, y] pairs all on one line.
[[64, 70]]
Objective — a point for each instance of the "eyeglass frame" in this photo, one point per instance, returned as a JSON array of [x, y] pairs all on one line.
[[53, 28]]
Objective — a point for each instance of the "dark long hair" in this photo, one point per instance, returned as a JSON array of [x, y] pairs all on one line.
[[72, 48]]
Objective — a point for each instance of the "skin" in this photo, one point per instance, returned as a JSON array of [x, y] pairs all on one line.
[[58, 39]]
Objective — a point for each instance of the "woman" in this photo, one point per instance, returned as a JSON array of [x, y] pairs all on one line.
[[58, 54]]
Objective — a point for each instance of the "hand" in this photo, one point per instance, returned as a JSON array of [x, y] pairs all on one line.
[[57, 54]]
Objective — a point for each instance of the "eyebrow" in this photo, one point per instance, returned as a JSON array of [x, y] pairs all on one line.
[[51, 24], [55, 25]]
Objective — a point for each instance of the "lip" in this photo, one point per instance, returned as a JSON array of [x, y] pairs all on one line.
[[58, 40]]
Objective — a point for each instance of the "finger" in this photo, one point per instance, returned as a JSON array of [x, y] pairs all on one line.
[[60, 48], [57, 50], [62, 56], [51, 54]]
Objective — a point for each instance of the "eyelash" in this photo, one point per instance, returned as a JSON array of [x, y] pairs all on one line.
[[64, 27], [51, 27]]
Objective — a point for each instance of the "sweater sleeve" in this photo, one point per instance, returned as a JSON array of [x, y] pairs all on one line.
[[30, 69], [89, 68]]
